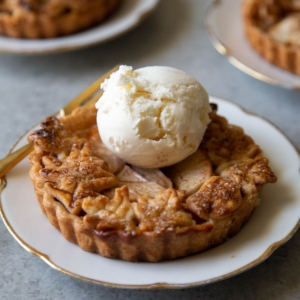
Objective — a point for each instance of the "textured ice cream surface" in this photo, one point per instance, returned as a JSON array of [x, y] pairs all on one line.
[[152, 117]]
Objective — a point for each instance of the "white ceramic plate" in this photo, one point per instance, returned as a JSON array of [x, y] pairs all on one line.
[[271, 225], [225, 28], [130, 14]]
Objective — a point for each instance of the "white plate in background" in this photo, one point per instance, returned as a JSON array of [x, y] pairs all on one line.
[[226, 31], [129, 15]]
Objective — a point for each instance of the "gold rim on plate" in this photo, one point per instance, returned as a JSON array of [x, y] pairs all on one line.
[[158, 285]]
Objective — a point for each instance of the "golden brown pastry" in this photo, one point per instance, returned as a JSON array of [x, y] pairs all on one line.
[[35, 19], [121, 211]]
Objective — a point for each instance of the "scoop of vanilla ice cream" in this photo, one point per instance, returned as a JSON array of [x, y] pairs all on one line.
[[152, 117]]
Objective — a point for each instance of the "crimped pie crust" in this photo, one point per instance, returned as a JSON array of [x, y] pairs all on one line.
[[283, 55], [102, 206], [35, 19]]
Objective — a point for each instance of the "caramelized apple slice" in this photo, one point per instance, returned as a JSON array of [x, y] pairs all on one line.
[[129, 175], [190, 174], [142, 188], [154, 175], [137, 184]]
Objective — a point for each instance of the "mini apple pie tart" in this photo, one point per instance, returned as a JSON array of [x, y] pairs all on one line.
[[126, 212], [35, 19], [273, 30]]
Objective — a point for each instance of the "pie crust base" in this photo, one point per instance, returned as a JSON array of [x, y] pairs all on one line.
[[168, 225], [36, 19]]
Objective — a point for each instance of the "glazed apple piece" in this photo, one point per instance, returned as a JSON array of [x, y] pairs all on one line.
[[154, 175], [138, 185], [189, 174]]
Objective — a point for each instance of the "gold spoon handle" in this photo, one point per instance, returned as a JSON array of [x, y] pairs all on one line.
[[12, 159]]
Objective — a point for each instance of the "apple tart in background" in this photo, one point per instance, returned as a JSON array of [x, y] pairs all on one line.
[[136, 214], [36, 19], [272, 28]]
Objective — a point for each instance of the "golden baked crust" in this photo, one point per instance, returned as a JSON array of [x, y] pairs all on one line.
[[35, 19], [273, 30], [121, 211]]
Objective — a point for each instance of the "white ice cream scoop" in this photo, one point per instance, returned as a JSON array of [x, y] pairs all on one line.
[[152, 117]]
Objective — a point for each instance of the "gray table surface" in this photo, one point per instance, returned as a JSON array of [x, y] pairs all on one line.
[[33, 87]]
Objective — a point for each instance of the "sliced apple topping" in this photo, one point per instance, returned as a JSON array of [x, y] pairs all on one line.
[[138, 185], [190, 174], [154, 175]]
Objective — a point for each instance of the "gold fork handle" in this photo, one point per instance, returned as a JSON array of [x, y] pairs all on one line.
[[7, 163], [86, 98], [12, 159]]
